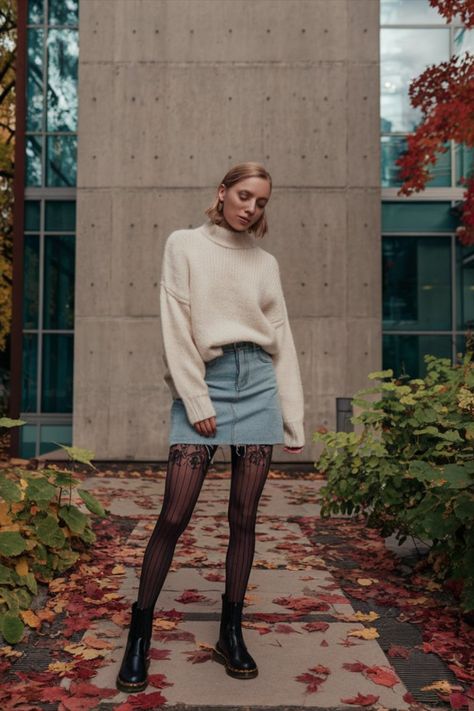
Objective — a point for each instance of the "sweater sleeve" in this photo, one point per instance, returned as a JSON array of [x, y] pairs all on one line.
[[184, 361], [288, 377]]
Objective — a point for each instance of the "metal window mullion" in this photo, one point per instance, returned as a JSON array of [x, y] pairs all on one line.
[[40, 317], [453, 299]]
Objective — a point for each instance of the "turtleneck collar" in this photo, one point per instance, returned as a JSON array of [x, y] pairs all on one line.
[[228, 238]]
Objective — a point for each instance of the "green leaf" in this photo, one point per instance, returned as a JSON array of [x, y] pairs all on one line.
[[74, 518], [11, 543], [10, 598], [5, 574], [63, 479], [30, 581], [40, 490], [79, 455], [9, 491], [91, 503], [23, 597], [378, 375], [12, 628], [8, 422], [50, 533]]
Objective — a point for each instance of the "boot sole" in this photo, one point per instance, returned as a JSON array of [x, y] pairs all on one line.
[[130, 687], [220, 657]]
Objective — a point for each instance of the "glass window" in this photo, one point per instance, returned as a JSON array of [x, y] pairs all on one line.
[[405, 53], [408, 12], [463, 41], [34, 81], [29, 388], [61, 161], [56, 392], [464, 162], [33, 171], [28, 435], [465, 287], [58, 300], [416, 283], [32, 215], [60, 215], [409, 216], [63, 52], [52, 435], [393, 146], [30, 281], [405, 353], [461, 344], [63, 12]]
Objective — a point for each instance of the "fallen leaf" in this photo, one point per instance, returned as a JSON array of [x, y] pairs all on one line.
[[366, 633], [384, 676], [316, 626], [362, 700], [397, 650], [30, 618]]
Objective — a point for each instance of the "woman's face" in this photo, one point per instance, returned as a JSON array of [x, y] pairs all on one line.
[[244, 202]]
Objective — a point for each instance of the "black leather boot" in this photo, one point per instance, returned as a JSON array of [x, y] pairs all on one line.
[[230, 650], [133, 674]]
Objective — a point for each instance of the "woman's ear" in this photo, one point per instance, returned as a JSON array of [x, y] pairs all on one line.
[[221, 192]]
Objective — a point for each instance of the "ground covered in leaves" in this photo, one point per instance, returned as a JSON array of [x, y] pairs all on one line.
[[414, 620]]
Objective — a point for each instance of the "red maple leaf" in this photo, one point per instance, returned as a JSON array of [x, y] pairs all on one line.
[[397, 650], [384, 676], [158, 681], [316, 626], [312, 681], [147, 701], [362, 700]]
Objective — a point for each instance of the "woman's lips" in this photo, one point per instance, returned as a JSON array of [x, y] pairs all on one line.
[[244, 220]]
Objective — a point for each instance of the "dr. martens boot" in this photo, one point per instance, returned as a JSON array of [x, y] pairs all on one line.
[[230, 650], [133, 674]]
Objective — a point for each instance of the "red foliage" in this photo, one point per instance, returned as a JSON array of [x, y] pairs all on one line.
[[450, 8], [445, 95]]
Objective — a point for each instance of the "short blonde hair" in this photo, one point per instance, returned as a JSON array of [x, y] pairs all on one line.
[[232, 177]]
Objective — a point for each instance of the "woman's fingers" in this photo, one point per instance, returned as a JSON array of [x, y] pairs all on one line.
[[207, 427]]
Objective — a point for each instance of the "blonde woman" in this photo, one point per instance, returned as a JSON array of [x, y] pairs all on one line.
[[233, 372]]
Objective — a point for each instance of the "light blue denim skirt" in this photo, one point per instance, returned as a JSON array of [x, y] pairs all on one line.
[[243, 389]]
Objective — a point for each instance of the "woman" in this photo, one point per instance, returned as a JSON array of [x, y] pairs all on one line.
[[233, 372]]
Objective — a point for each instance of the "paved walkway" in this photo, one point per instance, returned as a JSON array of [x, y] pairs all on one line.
[[326, 617]]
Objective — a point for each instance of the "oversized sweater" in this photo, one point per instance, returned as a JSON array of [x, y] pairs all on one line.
[[217, 287]]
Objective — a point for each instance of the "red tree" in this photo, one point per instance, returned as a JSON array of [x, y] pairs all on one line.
[[445, 94]]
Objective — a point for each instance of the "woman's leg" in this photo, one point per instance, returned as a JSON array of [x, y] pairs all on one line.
[[187, 467], [249, 472]]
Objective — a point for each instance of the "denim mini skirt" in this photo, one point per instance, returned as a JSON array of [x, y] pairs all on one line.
[[243, 389]]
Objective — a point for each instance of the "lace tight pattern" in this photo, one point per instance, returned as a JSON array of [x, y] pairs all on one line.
[[186, 470]]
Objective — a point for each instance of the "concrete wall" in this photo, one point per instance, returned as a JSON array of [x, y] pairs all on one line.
[[174, 92]]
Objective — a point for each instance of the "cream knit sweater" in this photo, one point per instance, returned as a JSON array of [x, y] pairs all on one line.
[[218, 286]]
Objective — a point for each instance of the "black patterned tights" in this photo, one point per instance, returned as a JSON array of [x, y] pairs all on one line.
[[187, 468]]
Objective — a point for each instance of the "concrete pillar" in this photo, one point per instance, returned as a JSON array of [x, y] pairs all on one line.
[[171, 94]]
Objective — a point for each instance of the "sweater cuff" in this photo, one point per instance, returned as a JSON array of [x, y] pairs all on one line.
[[294, 434], [198, 408]]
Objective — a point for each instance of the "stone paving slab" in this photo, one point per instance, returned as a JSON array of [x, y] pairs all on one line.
[[285, 565], [280, 658]]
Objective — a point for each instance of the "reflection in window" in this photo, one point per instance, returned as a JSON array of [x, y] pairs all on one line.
[[63, 54], [405, 53], [58, 301], [52, 434], [60, 215], [408, 12], [30, 281], [61, 161], [56, 385], [463, 40], [33, 170], [464, 162], [29, 377], [416, 283], [405, 353], [35, 12], [63, 12], [34, 82], [465, 287]]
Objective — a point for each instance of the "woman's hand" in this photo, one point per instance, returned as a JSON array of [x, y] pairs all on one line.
[[293, 450], [206, 427]]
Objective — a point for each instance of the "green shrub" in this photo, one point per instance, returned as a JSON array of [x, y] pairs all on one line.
[[42, 533], [411, 468]]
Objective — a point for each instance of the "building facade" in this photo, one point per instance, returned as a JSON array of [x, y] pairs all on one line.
[[133, 110]]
